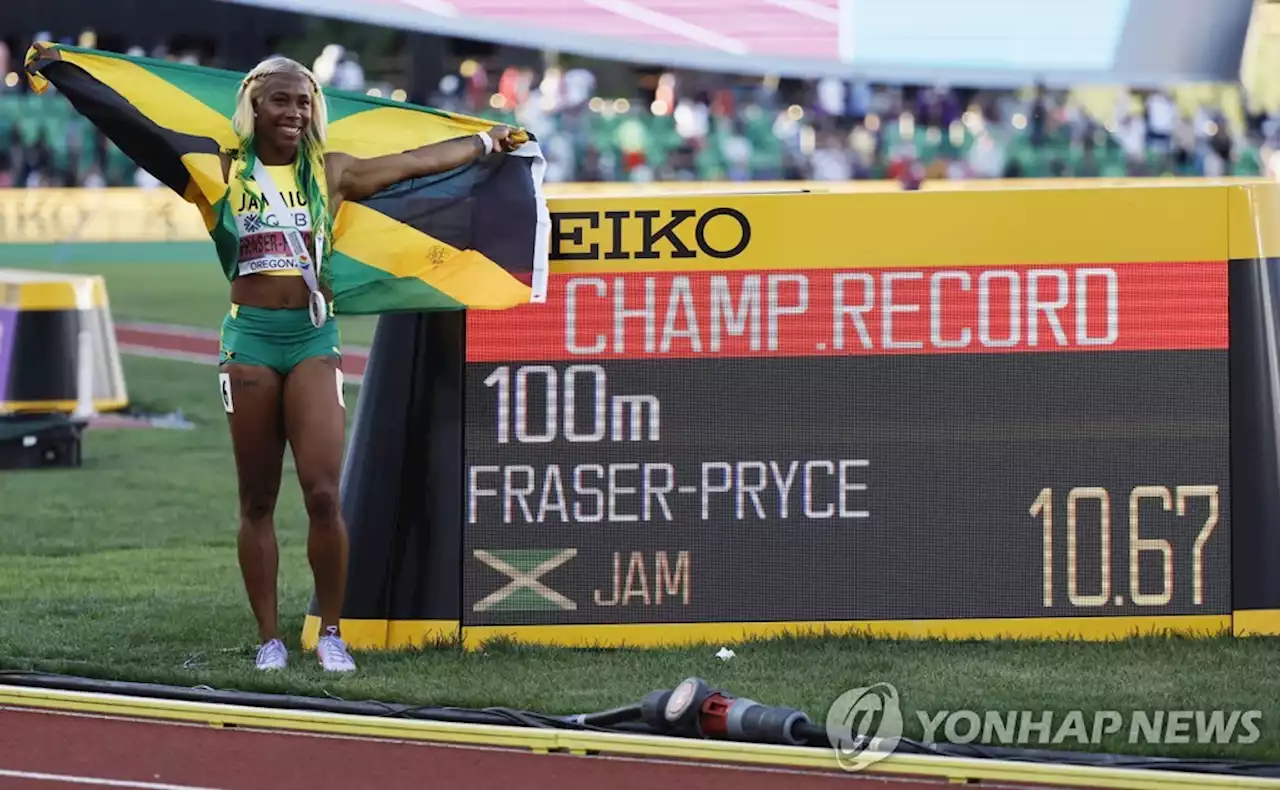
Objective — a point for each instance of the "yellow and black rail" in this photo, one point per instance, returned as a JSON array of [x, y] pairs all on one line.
[[58, 349]]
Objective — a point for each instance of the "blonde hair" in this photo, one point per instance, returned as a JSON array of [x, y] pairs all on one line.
[[250, 92], [308, 166]]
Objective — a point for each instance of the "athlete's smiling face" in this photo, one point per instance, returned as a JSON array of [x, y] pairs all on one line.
[[284, 110]]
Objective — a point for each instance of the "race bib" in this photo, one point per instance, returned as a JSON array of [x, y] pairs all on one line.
[[224, 384]]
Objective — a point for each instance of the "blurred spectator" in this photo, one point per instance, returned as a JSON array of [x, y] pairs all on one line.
[[831, 161], [349, 76], [93, 178]]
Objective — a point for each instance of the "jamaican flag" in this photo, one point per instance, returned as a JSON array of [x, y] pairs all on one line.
[[473, 237]]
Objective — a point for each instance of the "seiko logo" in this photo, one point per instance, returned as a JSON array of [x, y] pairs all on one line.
[[679, 234]]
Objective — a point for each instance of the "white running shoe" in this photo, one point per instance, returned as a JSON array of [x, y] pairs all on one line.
[[273, 655], [333, 652]]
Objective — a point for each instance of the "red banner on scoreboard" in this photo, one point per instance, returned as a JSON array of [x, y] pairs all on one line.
[[826, 312]]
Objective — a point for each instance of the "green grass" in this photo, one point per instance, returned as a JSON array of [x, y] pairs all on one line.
[[126, 569]]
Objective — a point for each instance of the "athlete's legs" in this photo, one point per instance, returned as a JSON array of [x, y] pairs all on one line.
[[252, 397], [315, 423]]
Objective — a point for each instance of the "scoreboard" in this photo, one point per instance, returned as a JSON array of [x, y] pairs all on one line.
[[704, 441]]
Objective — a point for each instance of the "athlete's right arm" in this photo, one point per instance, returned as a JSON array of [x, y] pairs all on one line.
[[357, 179]]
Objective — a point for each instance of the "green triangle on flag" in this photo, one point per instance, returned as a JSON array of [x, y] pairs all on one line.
[[524, 591]]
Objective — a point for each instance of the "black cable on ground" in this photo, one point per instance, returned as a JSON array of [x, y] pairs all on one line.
[[608, 718], [624, 719]]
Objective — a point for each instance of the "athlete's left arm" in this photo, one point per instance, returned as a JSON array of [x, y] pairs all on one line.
[[360, 178]]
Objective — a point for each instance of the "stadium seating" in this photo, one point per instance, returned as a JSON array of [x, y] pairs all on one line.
[[636, 135]]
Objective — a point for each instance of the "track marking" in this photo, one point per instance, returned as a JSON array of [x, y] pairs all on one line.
[[168, 353], [371, 739], [174, 330], [606, 757], [198, 333], [352, 379], [96, 781], [809, 9], [437, 7], [903, 768], [661, 21]]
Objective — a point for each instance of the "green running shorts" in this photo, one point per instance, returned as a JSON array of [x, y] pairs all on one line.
[[278, 339]]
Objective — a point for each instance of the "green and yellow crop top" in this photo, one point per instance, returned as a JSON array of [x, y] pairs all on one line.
[[263, 248]]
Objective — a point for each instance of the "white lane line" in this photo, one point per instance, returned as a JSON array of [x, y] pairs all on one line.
[[809, 9], [96, 781], [177, 330], [437, 7], [652, 18], [353, 379], [168, 353]]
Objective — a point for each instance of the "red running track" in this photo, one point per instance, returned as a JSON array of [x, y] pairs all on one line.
[[201, 345], [52, 751]]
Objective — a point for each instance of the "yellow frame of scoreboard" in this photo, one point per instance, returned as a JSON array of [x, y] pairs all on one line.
[[1200, 220]]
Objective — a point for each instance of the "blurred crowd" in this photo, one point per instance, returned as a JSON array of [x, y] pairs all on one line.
[[838, 130], [684, 127]]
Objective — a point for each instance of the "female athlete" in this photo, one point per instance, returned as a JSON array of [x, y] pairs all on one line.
[[280, 364], [280, 360]]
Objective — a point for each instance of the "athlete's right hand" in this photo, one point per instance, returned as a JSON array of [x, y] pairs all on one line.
[[506, 139]]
